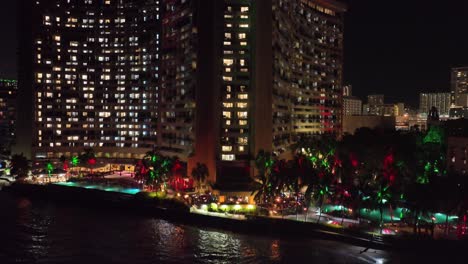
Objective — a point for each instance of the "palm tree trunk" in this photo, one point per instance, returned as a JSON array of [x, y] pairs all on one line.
[[381, 218], [297, 205], [446, 224], [320, 210], [342, 212], [415, 225], [391, 213]]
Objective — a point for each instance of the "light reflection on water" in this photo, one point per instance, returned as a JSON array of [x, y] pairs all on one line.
[[100, 187], [37, 231]]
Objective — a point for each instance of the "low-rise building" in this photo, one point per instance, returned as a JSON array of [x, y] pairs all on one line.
[[457, 146], [458, 112], [351, 123]]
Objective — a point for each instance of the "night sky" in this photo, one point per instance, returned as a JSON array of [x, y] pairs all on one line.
[[398, 47]]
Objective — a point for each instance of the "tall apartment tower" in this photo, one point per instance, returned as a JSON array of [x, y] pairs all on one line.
[[459, 83], [238, 76], [8, 95], [90, 68]]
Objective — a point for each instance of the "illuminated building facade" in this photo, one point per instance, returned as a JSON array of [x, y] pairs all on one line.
[[457, 146], [439, 100], [459, 82], [352, 105], [238, 76], [8, 95], [210, 81], [94, 80]]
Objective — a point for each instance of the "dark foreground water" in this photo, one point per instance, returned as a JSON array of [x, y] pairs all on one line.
[[45, 232]]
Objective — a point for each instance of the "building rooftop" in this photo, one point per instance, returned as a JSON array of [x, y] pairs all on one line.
[[332, 4]]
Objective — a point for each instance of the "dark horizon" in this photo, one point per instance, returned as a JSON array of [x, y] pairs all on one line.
[[401, 48], [394, 48]]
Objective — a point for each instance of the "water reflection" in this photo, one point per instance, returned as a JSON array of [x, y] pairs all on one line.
[[35, 231]]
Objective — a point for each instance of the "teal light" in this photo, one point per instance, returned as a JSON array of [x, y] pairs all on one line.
[[100, 187]]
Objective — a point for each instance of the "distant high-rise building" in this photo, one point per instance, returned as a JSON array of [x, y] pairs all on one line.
[[375, 105], [352, 105], [375, 100], [238, 76], [399, 109], [8, 94], [347, 90], [91, 71], [439, 100], [459, 86]]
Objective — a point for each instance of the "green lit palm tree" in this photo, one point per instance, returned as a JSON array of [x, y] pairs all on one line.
[[264, 163], [49, 169]]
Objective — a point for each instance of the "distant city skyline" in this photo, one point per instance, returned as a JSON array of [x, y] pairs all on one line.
[[399, 52]]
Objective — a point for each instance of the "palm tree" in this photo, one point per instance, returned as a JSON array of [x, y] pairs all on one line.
[[263, 163], [156, 168], [49, 169], [64, 162], [88, 157], [19, 165], [200, 173]]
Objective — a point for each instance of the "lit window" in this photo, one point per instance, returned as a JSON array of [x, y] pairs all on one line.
[[226, 114], [242, 105], [242, 114], [228, 62], [242, 140], [226, 148], [229, 157]]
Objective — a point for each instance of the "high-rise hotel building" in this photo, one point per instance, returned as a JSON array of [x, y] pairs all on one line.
[[90, 68], [238, 76], [211, 81]]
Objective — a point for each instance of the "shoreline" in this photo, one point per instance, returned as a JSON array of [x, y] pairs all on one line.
[[253, 225]]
